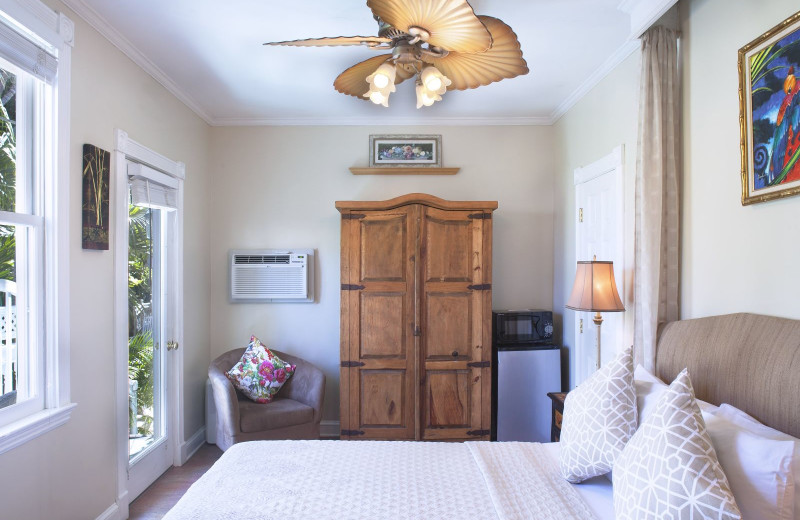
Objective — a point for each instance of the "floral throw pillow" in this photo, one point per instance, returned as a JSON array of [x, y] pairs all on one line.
[[260, 373]]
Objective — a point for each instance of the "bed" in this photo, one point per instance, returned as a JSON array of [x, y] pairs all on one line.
[[746, 360]]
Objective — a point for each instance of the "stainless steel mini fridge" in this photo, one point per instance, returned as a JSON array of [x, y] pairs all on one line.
[[522, 377]]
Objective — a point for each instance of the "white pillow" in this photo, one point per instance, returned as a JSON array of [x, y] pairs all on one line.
[[599, 418], [649, 389], [758, 469], [752, 425], [669, 468]]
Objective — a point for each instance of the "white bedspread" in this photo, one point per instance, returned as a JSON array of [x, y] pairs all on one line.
[[382, 480]]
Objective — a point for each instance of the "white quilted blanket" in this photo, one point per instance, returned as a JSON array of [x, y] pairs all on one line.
[[322, 480]]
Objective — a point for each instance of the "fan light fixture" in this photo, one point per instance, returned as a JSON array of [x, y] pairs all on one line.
[[441, 42]]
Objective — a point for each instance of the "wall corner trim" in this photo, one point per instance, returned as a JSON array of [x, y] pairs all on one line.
[[329, 429], [194, 443]]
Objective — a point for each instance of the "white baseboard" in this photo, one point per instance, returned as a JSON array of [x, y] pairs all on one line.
[[329, 429], [194, 443], [112, 513]]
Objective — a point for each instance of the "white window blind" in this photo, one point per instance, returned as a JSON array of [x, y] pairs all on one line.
[[32, 57], [151, 188]]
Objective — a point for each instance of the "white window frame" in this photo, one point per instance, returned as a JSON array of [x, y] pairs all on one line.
[[58, 31]]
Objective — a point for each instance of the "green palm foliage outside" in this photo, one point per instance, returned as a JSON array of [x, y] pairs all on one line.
[[8, 170], [140, 342]]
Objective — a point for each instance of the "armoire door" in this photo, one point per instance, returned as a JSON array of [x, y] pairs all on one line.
[[454, 278], [378, 354]]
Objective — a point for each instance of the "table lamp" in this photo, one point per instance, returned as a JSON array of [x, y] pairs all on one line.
[[595, 290]]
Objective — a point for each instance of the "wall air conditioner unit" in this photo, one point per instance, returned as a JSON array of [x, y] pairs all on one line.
[[272, 275]]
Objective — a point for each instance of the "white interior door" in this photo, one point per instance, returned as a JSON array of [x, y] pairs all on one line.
[[148, 310], [599, 232]]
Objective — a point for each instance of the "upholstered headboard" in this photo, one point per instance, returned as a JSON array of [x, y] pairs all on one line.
[[747, 360]]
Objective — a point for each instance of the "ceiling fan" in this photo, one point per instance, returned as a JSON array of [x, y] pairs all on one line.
[[441, 42]]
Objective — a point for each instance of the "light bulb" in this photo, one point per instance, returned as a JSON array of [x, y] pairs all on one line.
[[380, 80], [434, 80], [383, 77], [433, 83]]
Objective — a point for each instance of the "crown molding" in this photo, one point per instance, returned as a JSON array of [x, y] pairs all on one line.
[[644, 13], [639, 9], [395, 121], [102, 26], [628, 48]]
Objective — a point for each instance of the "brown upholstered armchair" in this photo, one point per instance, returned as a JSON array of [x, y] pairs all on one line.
[[295, 412]]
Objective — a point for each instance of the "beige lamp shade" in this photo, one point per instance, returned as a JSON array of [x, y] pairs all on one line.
[[595, 289]]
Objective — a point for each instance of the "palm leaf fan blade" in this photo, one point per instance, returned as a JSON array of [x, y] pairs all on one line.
[[503, 61], [353, 81], [451, 24], [371, 41]]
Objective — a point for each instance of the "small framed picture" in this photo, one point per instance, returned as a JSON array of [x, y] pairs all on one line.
[[405, 150], [769, 113]]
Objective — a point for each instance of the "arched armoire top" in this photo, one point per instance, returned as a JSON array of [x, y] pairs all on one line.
[[416, 198]]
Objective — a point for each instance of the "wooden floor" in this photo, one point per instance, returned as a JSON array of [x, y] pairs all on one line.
[[165, 492]]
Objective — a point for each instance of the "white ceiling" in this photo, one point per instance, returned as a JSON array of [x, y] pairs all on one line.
[[209, 53]]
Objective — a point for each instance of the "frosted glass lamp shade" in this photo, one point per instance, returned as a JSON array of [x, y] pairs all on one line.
[[595, 288], [434, 80], [382, 77], [425, 97]]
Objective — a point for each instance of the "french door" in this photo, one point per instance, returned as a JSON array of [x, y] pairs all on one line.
[[150, 329], [148, 253]]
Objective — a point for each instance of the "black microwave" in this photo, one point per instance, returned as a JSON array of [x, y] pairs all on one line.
[[522, 327]]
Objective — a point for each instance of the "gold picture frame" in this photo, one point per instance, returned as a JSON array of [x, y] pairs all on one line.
[[769, 113]]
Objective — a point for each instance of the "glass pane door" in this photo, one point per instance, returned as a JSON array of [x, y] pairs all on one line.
[[146, 358]]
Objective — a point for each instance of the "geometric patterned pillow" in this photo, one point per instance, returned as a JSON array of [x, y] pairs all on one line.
[[599, 419], [259, 374], [669, 468]]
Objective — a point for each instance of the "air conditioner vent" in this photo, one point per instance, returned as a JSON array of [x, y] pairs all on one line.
[[272, 276], [261, 259]]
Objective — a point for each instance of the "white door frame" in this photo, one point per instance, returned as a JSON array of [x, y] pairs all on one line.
[[614, 164], [128, 149]]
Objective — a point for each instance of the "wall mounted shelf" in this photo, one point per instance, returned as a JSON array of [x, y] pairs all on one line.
[[404, 171]]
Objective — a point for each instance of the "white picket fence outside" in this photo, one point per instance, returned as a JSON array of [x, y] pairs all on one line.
[[8, 334]]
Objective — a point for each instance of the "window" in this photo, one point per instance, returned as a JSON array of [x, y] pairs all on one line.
[[34, 351]]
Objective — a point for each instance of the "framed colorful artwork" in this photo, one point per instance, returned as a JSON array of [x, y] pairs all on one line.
[[769, 113], [405, 151], [94, 231]]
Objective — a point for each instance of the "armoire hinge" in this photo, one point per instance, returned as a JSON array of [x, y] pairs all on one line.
[[480, 364], [351, 433], [349, 364], [478, 433], [480, 216], [417, 332], [351, 287], [352, 216], [480, 287]]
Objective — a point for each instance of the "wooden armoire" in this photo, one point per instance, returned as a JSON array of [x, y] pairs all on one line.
[[416, 318]]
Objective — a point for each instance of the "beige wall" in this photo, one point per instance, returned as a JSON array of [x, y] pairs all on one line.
[[276, 188], [735, 258], [604, 119], [70, 473]]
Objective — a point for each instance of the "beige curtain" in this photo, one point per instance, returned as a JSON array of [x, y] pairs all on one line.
[[657, 192]]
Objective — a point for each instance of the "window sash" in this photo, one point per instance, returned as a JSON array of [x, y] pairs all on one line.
[[30, 316]]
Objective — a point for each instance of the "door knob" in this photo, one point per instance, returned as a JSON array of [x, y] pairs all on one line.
[[172, 345]]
